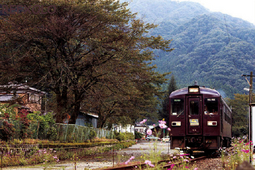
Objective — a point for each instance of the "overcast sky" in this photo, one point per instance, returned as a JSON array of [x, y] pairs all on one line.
[[244, 9]]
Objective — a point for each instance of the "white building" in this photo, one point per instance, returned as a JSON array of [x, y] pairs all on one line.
[[141, 128], [128, 128]]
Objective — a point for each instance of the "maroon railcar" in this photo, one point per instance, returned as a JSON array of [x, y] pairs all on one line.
[[199, 119]]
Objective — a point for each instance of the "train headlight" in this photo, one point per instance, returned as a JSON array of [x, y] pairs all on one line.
[[211, 123], [193, 89], [176, 123]]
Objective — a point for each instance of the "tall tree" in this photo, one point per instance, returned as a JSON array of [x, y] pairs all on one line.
[[84, 43], [164, 110]]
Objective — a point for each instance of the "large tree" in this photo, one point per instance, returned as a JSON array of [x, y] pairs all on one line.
[[82, 45]]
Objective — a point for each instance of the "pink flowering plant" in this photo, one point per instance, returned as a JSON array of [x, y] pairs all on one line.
[[143, 121], [239, 152], [162, 125], [37, 156], [130, 159]]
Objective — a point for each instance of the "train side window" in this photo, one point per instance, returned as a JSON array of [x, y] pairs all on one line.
[[177, 107], [211, 106], [227, 117]]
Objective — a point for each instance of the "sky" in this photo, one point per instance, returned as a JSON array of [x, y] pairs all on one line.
[[244, 9]]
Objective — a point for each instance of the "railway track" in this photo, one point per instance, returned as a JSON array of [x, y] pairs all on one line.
[[144, 165]]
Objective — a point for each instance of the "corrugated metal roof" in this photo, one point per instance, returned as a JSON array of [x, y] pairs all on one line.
[[90, 114], [4, 98], [20, 88]]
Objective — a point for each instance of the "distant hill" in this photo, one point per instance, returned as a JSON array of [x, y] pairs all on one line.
[[213, 48]]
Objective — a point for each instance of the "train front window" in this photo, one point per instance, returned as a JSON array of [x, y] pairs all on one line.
[[211, 106], [177, 107], [194, 107]]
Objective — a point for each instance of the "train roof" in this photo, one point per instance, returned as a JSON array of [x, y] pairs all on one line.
[[203, 90]]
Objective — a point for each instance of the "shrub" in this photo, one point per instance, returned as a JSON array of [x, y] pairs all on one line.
[[7, 115], [123, 136], [138, 135], [24, 122], [8, 131], [92, 134], [42, 126], [129, 136]]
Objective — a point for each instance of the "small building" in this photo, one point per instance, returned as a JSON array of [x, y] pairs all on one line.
[[127, 128], [141, 128], [28, 97], [87, 119]]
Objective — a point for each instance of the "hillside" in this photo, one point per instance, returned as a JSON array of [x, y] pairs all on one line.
[[213, 48]]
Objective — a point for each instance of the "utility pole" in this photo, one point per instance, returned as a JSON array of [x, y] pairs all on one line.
[[250, 116]]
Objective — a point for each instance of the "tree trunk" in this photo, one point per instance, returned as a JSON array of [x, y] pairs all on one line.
[[76, 109], [61, 105]]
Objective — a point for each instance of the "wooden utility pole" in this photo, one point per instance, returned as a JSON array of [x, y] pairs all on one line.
[[250, 131], [250, 117]]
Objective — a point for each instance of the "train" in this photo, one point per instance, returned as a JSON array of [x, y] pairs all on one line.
[[200, 120]]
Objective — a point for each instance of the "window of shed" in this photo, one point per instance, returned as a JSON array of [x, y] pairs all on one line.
[[211, 106], [177, 107]]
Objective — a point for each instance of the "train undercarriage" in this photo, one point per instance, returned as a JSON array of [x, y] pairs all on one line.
[[200, 143]]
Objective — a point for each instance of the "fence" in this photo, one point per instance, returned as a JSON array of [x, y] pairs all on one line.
[[58, 131], [71, 132]]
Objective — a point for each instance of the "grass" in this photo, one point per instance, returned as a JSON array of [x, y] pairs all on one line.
[[46, 156], [230, 157]]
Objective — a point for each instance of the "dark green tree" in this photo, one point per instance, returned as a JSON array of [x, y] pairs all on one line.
[[240, 114], [164, 110]]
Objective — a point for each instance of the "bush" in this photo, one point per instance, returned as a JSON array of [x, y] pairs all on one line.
[[7, 132], [7, 115], [138, 135], [123, 145], [123, 136], [42, 126], [92, 134], [129, 136]]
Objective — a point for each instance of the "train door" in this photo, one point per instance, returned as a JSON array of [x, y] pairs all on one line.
[[194, 115]]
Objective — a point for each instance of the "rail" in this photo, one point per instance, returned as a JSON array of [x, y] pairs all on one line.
[[143, 165]]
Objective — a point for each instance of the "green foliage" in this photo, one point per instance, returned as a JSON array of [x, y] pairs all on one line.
[[124, 144], [31, 157], [164, 110], [213, 48], [6, 108], [7, 116], [123, 136], [138, 135], [233, 157], [8, 130], [22, 131], [43, 125], [92, 134], [240, 115]]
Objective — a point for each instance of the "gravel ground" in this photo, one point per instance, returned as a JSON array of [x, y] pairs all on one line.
[[209, 164]]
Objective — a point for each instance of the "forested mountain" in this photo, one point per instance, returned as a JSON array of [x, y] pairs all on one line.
[[213, 48]]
